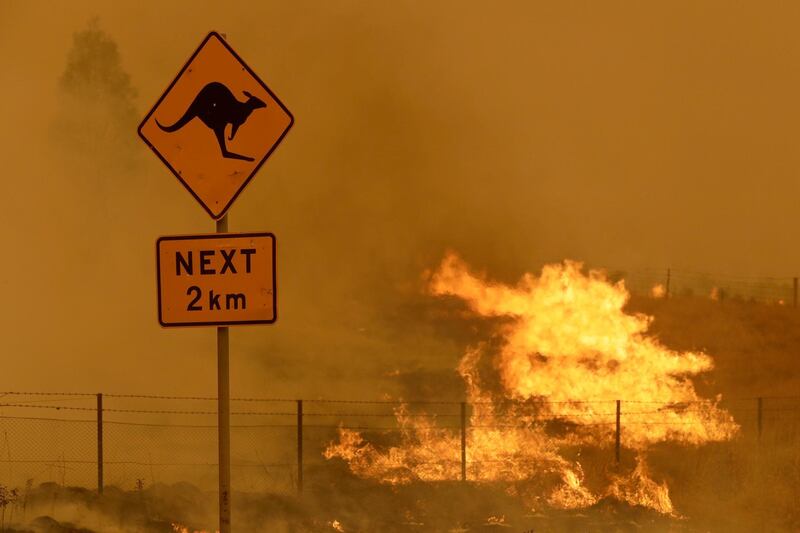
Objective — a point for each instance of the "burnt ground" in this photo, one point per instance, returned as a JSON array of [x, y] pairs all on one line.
[[430, 507], [360, 506]]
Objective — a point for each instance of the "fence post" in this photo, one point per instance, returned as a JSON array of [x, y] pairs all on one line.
[[617, 442], [100, 443], [759, 417], [299, 446], [794, 300], [463, 441], [666, 291]]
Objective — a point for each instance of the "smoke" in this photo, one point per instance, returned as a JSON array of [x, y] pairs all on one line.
[[517, 135], [489, 132], [355, 506]]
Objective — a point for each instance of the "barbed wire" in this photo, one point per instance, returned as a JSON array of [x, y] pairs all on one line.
[[341, 414], [181, 447], [16, 393], [398, 401], [529, 422], [60, 461]]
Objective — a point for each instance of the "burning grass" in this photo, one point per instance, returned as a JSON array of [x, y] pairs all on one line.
[[533, 463], [567, 348]]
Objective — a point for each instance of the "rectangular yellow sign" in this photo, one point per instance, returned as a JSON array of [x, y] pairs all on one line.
[[216, 280]]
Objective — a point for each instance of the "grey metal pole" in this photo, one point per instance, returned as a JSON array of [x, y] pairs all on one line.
[[299, 446], [617, 443], [224, 416], [224, 412], [99, 443], [463, 441]]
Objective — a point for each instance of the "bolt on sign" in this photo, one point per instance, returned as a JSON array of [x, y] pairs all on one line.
[[215, 125], [216, 280]]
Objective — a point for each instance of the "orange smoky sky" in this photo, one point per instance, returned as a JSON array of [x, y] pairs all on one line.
[[618, 133]]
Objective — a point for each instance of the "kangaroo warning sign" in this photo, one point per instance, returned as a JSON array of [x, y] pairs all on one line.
[[216, 280], [215, 125]]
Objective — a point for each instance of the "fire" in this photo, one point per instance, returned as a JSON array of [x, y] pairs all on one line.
[[568, 351], [658, 291], [179, 528], [639, 489], [496, 520]]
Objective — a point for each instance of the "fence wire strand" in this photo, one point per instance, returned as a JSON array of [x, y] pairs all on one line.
[[169, 443]]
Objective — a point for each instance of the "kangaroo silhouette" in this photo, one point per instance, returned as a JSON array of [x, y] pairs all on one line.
[[216, 107]]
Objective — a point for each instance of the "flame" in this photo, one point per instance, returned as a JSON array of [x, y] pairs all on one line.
[[658, 291], [714, 295], [336, 525], [496, 520], [639, 489], [568, 351], [179, 528]]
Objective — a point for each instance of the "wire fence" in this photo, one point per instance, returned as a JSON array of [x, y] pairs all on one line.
[[133, 440], [671, 282]]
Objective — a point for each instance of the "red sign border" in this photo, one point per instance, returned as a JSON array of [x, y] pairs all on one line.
[[257, 167], [218, 236]]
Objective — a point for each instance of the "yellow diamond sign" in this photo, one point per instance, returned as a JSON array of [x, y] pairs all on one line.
[[215, 125]]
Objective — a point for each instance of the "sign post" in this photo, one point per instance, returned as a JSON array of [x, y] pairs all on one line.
[[224, 415], [214, 127]]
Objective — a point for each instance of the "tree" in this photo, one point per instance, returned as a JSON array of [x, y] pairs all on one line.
[[97, 116]]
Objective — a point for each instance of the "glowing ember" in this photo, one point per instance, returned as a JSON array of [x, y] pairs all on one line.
[[178, 528], [568, 351], [658, 291], [496, 520]]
